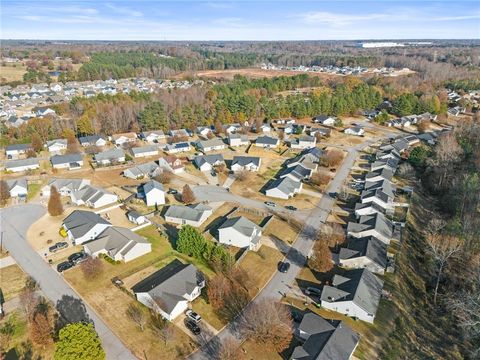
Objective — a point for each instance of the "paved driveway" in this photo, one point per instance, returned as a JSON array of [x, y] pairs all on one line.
[[15, 222]]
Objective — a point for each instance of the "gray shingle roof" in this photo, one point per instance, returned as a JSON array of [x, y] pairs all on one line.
[[9, 164], [300, 172], [144, 149], [245, 160], [152, 184], [209, 159], [113, 239], [285, 185], [210, 143], [189, 212], [112, 154], [22, 182], [266, 140], [18, 147], [241, 224], [376, 221], [65, 159], [370, 247], [79, 222]]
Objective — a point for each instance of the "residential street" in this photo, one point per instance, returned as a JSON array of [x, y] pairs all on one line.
[[15, 222]]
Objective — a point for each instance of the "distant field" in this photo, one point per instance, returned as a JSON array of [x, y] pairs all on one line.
[[12, 72], [250, 72]]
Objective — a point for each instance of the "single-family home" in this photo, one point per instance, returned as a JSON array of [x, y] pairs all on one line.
[[15, 150], [177, 147], [153, 193], [41, 112], [204, 131], [180, 133], [208, 162], [210, 145], [153, 136], [390, 164], [249, 163], [82, 226], [124, 138], [324, 339], [322, 131], [366, 252], [56, 146], [383, 197], [140, 171], [354, 130], [169, 290], [110, 157], [304, 142], [372, 225], [238, 140], [118, 243], [22, 165], [136, 218], [68, 161], [387, 154], [144, 151], [17, 188], [324, 120], [356, 294], [194, 215], [264, 128], [283, 188], [92, 140], [267, 142], [309, 158], [240, 232], [369, 208], [297, 173], [171, 163], [378, 175], [65, 187], [231, 128], [93, 197]]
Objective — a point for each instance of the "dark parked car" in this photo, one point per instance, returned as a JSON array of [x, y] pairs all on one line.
[[333, 195], [77, 257], [58, 246], [283, 266], [290, 207], [193, 327], [64, 266], [313, 291], [172, 191], [270, 203], [213, 173]]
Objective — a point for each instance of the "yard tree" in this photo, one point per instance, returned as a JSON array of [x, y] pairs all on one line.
[[78, 341], [4, 192], [418, 156], [73, 146], [321, 258], [91, 268], [7, 330], [37, 143], [55, 207], [333, 157], [164, 177], [217, 289], [137, 315], [268, 323], [229, 349], [188, 196], [191, 242], [320, 179], [41, 328]]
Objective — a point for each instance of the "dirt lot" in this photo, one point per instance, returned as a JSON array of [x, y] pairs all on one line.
[[12, 280]]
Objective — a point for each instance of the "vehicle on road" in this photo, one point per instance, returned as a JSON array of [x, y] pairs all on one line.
[[290, 207], [172, 191], [192, 315], [77, 257], [58, 246], [283, 266], [310, 290], [333, 195], [64, 266], [192, 326], [270, 203]]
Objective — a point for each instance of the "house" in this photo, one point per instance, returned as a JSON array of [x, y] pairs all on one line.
[[124, 138], [231, 128], [194, 215], [41, 112], [56, 146], [92, 140], [118, 243], [325, 120], [153, 136], [324, 339], [264, 128], [136, 218], [304, 142], [64, 186], [366, 252], [378, 175], [82, 226], [140, 171], [171, 163], [410, 139], [169, 290], [238, 140], [110, 157], [15, 150], [180, 133], [177, 147], [369, 208], [372, 225], [297, 173], [390, 164], [153, 193], [93, 197], [383, 197], [455, 111], [249, 163], [240, 232], [204, 131], [267, 142], [354, 130], [283, 188], [68, 161], [210, 145], [399, 145], [17, 188], [144, 151], [322, 131], [22, 165], [208, 162], [309, 158], [387, 154], [428, 138], [355, 294]]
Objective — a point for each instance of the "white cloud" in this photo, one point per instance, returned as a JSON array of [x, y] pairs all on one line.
[[124, 10]]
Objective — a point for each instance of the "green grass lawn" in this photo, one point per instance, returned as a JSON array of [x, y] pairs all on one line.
[[33, 190]]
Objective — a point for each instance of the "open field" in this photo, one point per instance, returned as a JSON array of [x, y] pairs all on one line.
[[12, 72], [12, 280]]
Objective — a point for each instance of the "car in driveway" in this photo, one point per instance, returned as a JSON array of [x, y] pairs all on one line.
[[58, 246], [64, 266], [333, 195], [283, 266], [172, 191], [290, 207], [213, 173], [192, 315], [192, 326], [310, 290], [78, 257], [270, 203]]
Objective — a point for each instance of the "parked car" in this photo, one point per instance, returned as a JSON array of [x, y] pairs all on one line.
[[193, 327], [270, 203], [290, 207], [117, 281], [172, 191], [333, 195], [64, 266], [213, 173], [58, 246], [192, 315], [310, 290], [77, 257], [283, 266]]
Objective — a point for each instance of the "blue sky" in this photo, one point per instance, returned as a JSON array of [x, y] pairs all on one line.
[[239, 20]]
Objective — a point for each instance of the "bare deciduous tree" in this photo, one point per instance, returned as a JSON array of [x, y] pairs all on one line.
[[188, 196], [321, 258], [229, 349], [136, 314], [91, 268]]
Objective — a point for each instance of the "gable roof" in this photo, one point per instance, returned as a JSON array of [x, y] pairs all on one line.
[[209, 159], [18, 147], [385, 173], [70, 184], [79, 222], [299, 171], [9, 164], [189, 212], [114, 239], [246, 160], [376, 221], [370, 247], [210, 143], [90, 139], [241, 224], [267, 140], [285, 185], [144, 149], [146, 169], [22, 182], [111, 154], [65, 159], [151, 185]]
